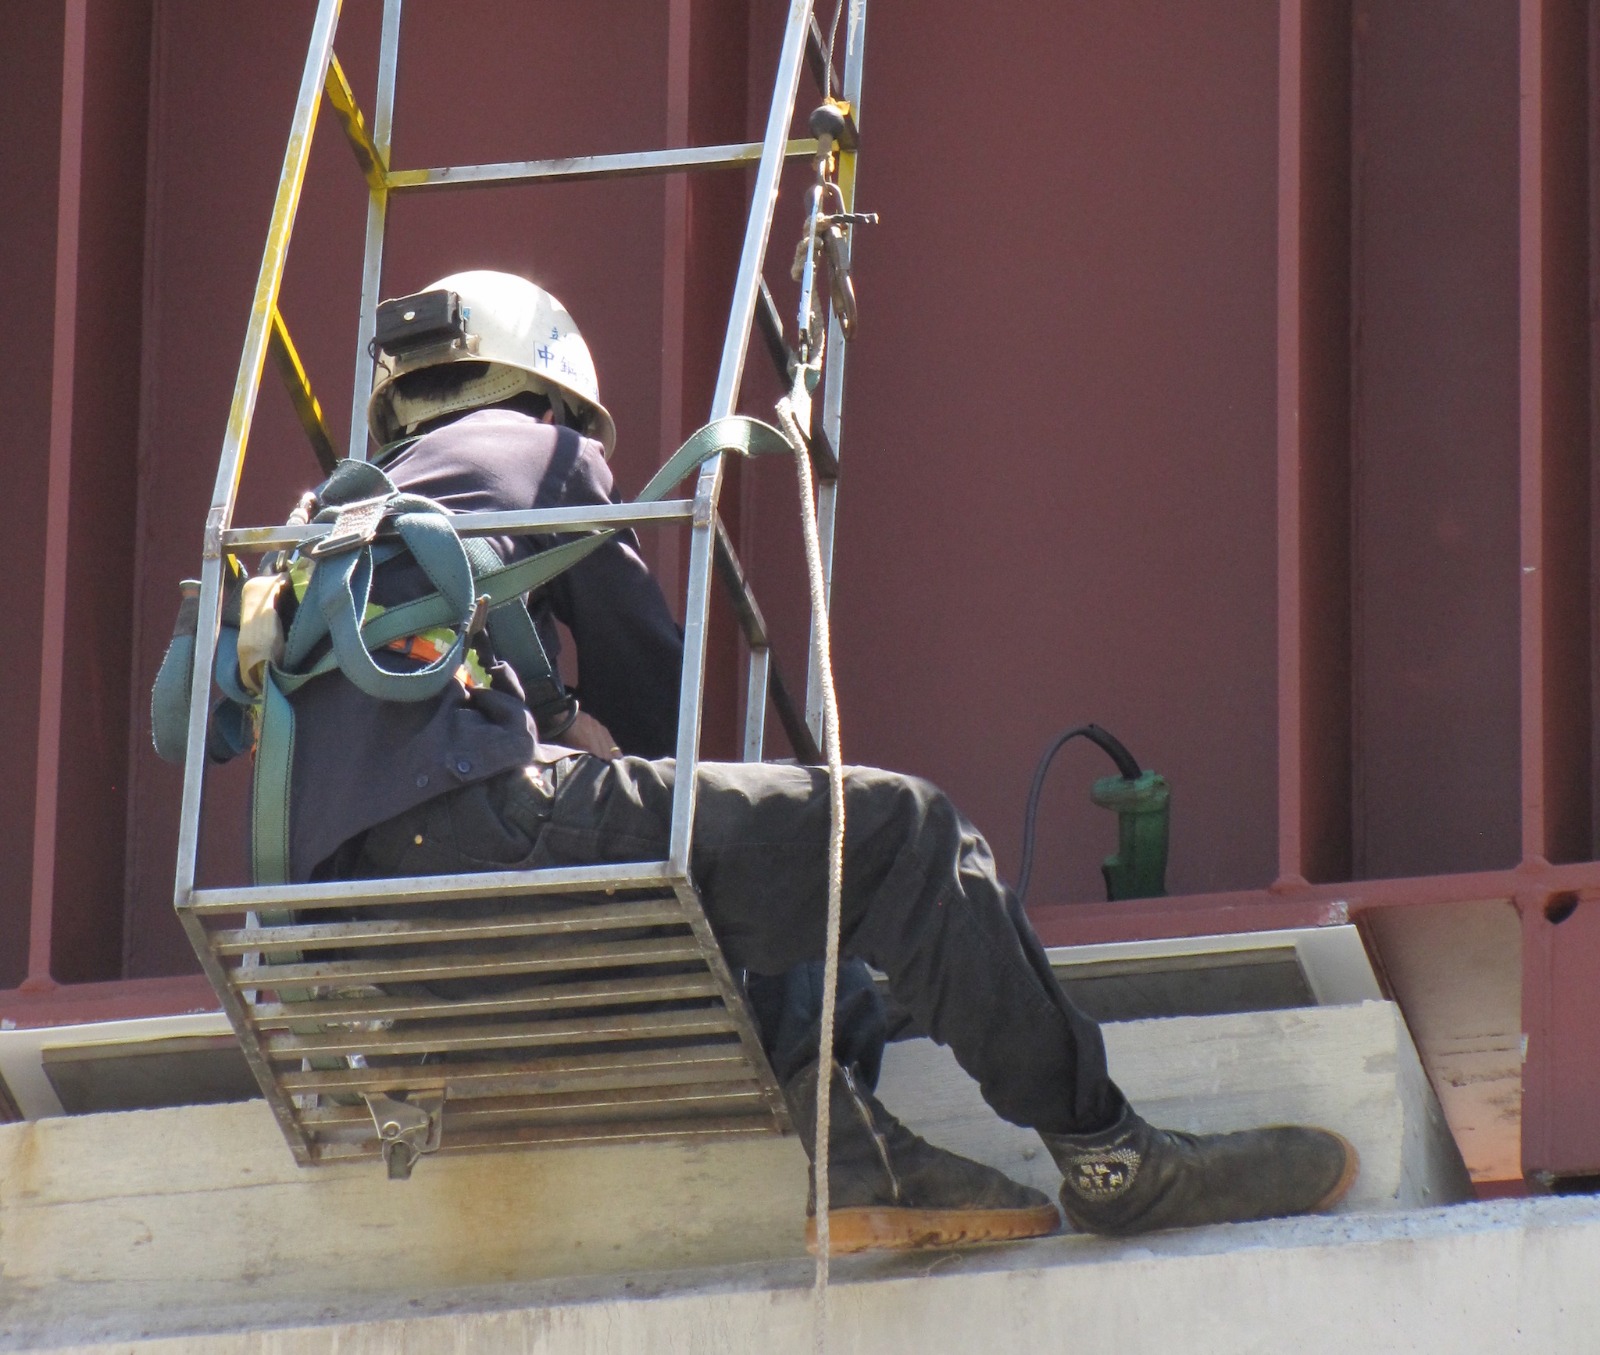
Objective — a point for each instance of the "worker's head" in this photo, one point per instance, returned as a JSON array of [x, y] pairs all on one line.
[[477, 339]]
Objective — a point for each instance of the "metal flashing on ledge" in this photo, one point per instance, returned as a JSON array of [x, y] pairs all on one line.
[[187, 1051], [1214, 975]]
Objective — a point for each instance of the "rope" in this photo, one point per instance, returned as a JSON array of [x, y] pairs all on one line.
[[805, 374], [830, 969], [833, 33]]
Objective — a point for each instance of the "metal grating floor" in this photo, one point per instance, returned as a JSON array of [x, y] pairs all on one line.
[[543, 1019]]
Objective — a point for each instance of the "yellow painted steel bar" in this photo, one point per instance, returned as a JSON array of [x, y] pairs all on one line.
[[306, 407], [373, 162]]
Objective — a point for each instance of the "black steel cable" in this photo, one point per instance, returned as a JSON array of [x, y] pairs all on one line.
[[1127, 764]]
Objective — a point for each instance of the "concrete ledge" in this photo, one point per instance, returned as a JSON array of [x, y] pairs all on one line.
[[197, 1220], [1498, 1278]]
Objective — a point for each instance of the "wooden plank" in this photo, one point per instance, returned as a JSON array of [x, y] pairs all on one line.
[[1456, 970]]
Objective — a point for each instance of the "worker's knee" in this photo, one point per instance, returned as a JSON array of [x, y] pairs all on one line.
[[907, 811]]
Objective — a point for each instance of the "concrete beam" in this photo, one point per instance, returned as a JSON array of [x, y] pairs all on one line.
[[196, 1220], [1506, 1277]]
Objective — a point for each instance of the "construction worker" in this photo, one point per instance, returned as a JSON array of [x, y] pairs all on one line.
[[504, 413]]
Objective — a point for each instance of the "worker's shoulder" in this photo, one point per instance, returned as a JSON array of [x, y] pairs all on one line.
[[504, 456], [489, 439]]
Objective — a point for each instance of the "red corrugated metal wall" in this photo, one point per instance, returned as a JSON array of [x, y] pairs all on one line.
[[1224, 377]]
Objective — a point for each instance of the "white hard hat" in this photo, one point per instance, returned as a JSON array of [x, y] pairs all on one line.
[[522, 335]]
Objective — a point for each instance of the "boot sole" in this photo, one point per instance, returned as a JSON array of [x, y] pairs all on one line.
[[889, 1229], [1341, 1187]]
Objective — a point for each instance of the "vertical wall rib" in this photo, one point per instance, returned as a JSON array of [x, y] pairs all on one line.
[[53, 633], [30, 73], [1554, 431], [1314, 440], [1435, 420], [1562, 932]]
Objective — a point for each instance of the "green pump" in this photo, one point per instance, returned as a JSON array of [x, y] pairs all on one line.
[[1142, 802], [1138, 868]]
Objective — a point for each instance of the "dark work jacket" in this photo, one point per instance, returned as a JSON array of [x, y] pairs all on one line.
[[358, 761]]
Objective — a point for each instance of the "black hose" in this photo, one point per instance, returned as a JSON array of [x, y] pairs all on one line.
[[1127, 764]]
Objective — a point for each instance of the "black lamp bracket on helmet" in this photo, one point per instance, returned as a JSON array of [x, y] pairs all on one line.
[[420, 325]]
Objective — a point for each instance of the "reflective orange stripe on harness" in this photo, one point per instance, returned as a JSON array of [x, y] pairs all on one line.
[[426, 648]]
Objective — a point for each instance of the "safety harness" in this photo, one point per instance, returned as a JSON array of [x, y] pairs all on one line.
[[335, 626]]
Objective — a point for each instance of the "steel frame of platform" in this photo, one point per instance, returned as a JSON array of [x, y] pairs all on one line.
[[609, 1017]]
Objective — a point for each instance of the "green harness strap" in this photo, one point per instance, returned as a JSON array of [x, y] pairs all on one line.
[[514, 638], [364, 500], [736, 433]]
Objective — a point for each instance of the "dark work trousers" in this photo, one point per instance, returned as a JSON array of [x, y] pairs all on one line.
[[788, 1012], [922, 900]]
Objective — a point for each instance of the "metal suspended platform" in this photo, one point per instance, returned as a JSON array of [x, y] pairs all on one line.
[[393, 1017]]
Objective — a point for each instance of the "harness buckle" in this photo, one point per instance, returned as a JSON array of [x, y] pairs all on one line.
[[356, 526]]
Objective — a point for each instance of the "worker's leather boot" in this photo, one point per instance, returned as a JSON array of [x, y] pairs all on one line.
[[1133, 1178], [890, 1189]]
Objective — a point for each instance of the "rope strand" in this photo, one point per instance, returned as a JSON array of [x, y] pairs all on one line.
[[833, 33], [835, 761]]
